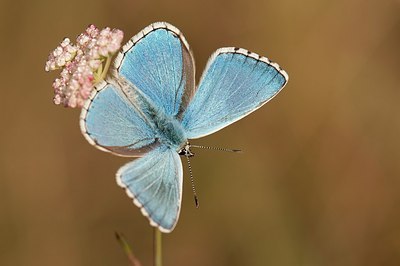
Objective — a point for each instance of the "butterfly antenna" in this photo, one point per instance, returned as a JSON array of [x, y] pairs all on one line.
[[196, 200], [215, 148]]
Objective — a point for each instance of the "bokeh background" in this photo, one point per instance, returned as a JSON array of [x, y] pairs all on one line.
[[318, 183]]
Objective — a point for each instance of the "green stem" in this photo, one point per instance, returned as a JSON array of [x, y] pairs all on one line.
[[157, 247], [106, 67]]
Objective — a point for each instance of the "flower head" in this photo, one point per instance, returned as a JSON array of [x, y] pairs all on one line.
[[82, 64]]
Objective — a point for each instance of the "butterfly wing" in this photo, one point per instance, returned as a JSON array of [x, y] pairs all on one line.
[[235, 83], [155, 184], [159, 63], [113, 120]]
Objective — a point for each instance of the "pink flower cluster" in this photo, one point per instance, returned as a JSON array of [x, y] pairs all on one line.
[[81, 64]]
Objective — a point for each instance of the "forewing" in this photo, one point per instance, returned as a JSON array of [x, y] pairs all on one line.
[[235, 83], [159, 63], [113, 120], [155, 184]]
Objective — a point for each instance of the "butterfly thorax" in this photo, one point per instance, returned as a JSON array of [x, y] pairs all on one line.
[[170, 132]]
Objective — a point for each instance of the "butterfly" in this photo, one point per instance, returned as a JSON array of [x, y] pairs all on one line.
[[150, 106]]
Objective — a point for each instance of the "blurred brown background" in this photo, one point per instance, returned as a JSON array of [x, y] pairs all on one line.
[[318, 183]]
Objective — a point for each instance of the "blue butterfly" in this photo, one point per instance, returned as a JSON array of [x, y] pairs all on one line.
[[150, 106]]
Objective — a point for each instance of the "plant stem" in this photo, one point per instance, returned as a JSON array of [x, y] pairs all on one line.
[[157, 247], [106, 67]]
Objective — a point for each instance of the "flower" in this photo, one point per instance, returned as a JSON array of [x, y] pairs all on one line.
[[109, 41], [82, 64], [64, 53]]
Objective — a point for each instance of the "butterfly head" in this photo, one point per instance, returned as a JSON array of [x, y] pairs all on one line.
[[186, 150]]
